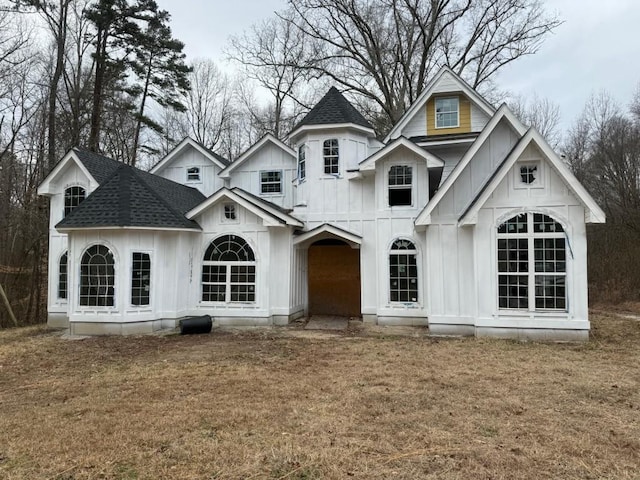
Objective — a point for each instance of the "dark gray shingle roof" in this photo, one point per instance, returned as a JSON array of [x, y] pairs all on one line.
[[133, 198], [99, 166], [333, 108]]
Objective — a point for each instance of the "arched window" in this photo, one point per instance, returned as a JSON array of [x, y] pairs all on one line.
[[532, 263], [73, 196], [331, 156], [97, 276], [62, 276], [403, 272], [229, 271]]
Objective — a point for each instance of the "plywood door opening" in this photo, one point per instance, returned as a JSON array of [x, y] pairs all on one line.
[[334, 279]]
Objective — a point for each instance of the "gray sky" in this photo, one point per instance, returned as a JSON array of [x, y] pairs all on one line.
[[598, 47]]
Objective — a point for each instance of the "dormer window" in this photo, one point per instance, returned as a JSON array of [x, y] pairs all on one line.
[[271, 182], [447, 112], [73, 196], [302, 163], [331, 157], [400, 180], [193, 174]]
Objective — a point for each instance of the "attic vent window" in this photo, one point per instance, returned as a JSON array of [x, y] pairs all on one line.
[[193, 174], [331, 157], [400, 179], [229, 211], [529, 173], [447, 112]]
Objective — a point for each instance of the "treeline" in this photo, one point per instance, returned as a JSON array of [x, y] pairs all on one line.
[[109, 75]]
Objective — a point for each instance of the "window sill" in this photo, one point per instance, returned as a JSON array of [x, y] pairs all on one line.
[[271, 195]]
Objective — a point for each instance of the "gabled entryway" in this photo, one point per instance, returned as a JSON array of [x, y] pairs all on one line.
[[333, 271]]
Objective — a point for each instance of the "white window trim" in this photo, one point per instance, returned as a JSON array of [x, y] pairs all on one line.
[[151, 282], [300, 179], [531, 310], [418, 304], [199, 180], [324, 159], [116, 278], [388, 187], [59, 300], [271, 194], [435, 111], [518, 184], [223, 216]]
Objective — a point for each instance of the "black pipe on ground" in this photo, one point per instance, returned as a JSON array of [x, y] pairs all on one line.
[[193, 325]]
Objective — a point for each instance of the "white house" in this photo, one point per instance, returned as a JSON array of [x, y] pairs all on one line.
[[463, 219]]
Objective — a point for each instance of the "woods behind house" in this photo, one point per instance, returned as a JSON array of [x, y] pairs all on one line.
[[109, 75]]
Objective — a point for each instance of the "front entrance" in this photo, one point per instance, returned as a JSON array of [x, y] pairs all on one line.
[[334, 279]]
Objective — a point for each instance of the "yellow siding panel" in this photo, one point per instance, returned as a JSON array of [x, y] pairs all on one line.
[[465, 117]]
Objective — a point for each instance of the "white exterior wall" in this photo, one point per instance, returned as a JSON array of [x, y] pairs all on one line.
[[209, 182], [247, 175]]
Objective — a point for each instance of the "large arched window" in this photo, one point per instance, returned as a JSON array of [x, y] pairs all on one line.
[[97, 276], [229, 271], [532, 263], [403, 272], [62, 276], [73, 196]]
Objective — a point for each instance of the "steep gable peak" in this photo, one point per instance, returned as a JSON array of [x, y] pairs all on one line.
[[332, 110], [186, 143]]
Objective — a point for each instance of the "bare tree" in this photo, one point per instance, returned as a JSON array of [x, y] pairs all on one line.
[[386, 50], [278, 56], [540, 113]]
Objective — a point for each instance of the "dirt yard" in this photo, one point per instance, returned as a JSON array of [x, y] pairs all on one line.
[[289, 404]]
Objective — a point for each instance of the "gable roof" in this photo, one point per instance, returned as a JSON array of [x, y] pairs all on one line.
[[332, 109], [136, 199], [325, 231], [424, 217], [268, 138], [186, 142], [428, 91], [95, 166], [593, 214], [400, 142], [271, 214]]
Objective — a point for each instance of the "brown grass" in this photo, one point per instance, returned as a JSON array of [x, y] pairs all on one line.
[[282, 404]]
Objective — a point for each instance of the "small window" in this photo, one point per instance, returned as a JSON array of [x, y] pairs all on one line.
[[229, 211], [73, 196], [529, 174], [302, 164], [331, 157], [400, 179], [403, 272], [140, 278], [447, 112], [193, 174], [271, 182], [62, 276]]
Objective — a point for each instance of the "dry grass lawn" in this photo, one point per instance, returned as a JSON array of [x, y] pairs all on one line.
[[284, 404]]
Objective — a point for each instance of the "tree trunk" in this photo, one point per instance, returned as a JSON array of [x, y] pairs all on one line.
[[143, 100], [96, 112]]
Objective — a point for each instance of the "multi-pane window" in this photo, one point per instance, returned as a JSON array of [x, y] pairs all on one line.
[[528, 173], [97, 277], [400, 179], [229, 271], [62, 276], [447, 112], [73, 196], [271, 181], [403, 272], [229, 211], [302, 163], [140, 278], [532, 263], [193, 174], [331, 155]]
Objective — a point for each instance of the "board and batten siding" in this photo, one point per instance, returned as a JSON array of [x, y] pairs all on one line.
[[464, 116], [209, 181]]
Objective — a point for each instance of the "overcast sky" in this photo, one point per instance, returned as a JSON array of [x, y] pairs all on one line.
[[597, 48]]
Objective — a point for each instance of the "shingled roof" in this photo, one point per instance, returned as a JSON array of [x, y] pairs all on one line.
[[99, 166], [132, 198], [333, 108]]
